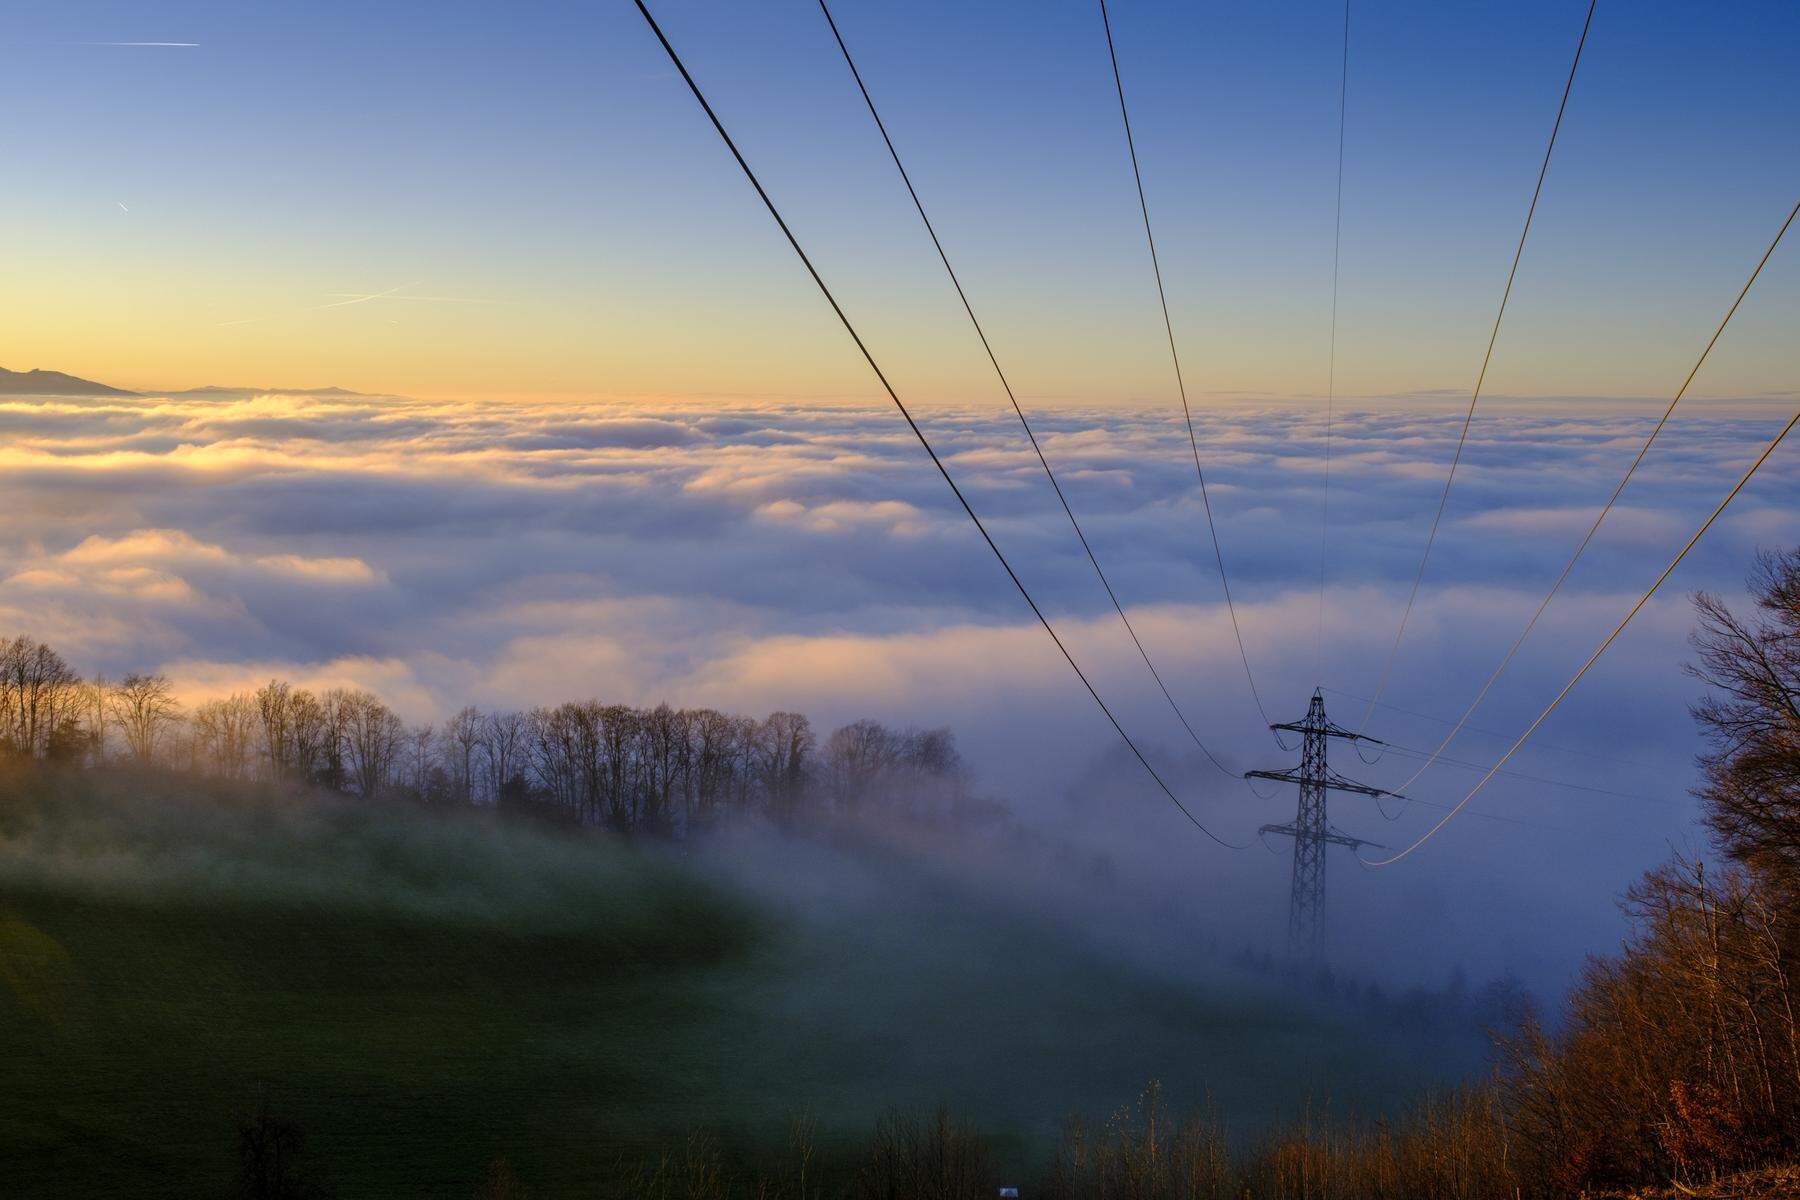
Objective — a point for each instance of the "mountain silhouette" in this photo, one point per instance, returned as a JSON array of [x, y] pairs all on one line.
[[52, 383], [57, 383]]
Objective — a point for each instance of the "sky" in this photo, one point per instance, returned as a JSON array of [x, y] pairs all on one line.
[[613, 444], [197, 214]]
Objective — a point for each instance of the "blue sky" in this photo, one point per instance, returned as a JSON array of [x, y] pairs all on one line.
[[544, 161]]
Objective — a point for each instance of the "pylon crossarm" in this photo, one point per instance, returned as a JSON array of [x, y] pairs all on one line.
[[1344, 839], [1339, 783], [1328, 730], [1334, 781]]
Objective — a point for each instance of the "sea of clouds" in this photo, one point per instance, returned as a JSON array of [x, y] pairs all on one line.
[[755, 555]]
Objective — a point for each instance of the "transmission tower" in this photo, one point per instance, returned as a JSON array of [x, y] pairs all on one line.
[[1310, 829]]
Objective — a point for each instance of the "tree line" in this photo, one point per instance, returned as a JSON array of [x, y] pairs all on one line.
[[655, 770]]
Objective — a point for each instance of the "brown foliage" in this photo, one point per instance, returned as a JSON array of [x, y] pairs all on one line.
[[1681, 1057]]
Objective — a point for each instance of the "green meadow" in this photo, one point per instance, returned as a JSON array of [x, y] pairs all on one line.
[[424, 994]]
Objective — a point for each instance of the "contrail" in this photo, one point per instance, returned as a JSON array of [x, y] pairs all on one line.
[[121, 205], [437, 299], [361, 297], [181, 44], [364, 297]]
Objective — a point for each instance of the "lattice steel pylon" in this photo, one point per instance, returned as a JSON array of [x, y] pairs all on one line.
[[1310, 828]]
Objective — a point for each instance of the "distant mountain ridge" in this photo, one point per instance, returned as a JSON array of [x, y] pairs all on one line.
[[52, 383], [37, 382]]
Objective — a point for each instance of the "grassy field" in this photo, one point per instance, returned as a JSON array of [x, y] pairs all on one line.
[[424, 994]]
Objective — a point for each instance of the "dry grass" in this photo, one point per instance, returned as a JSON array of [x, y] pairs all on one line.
[[1450, 1147], [1771, 1183]]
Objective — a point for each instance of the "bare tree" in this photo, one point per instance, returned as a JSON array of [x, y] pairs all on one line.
[[331, 763], [370, 734], [40, 694], [143, 707], [662, 736], [617, 778], [746, 775], [225, 734], [549, 758], [463, 735], [503, 745], [713, 737], [855, 757], [275, 708], [313, 731], [784, 743], [93, 722], [1751, 720], [420, 740]]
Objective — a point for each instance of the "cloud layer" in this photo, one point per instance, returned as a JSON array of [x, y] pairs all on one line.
[[765, 555]]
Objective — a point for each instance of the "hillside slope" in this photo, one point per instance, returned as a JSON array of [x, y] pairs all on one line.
[[426, 993]]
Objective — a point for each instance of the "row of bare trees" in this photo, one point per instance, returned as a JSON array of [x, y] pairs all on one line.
[[42, 700], [662, 767], [49, 711], [658, 769]]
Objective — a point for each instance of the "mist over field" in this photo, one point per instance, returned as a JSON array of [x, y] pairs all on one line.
[[427, 993]]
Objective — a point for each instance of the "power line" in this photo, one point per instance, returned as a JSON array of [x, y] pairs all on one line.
[[1415, 753], [1486, 816], [1006, 386], [768, 203], [1337, 241], [1175, 357], [1568, 687], [1539, 745], [1387, 669], [1506, 659]]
